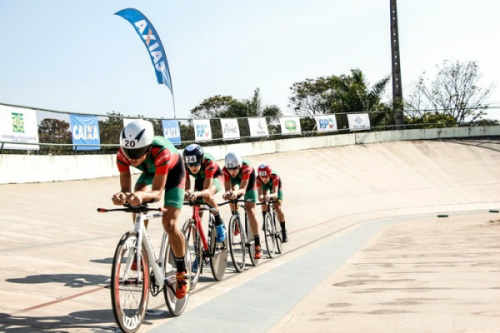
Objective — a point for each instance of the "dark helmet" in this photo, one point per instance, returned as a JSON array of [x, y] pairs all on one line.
[[193, 154]]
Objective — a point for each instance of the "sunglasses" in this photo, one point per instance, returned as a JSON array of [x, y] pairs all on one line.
[[193, 164], [236, 168]]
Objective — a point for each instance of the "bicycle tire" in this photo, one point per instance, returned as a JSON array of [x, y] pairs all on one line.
[[269, 236], [195, 250], [176, 306], [236, 241], [129, 297], [278, 235], [218, 252]]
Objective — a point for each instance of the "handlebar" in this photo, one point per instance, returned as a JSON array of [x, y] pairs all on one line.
[[200, 203], [142, 208]]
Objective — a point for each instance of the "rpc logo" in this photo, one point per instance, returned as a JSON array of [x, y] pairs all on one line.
[[326, 123]]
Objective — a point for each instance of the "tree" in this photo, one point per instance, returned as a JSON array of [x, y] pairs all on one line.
[[454, 91], [56, 131], [335, 94], [110, 129], [213, 107], [228, 107]]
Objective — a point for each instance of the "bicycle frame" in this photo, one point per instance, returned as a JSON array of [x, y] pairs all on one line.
[[143, 237], [199, 227]]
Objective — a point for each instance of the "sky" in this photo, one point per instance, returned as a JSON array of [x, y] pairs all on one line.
[[78, 56]]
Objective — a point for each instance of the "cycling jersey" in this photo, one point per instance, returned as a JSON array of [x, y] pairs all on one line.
[[163, 159], [209, 169], [274, 180]]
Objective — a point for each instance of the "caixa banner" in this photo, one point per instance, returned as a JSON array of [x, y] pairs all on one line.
[[85, 132]]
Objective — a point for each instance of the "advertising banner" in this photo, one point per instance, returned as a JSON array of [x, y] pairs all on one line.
[[172, 131], [202, 130], [358, 121], [326, 123], [258, 126], [18, 125], [152, 42], [290, 125], [230, 129], [85, 131]]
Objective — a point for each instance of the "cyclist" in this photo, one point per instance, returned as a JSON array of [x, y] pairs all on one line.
[[208, 181], [238, 171], [162, 174], [269, 188]]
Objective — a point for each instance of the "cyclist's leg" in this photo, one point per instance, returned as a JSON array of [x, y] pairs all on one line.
[[281, 215], [250, 200], [173, 202]]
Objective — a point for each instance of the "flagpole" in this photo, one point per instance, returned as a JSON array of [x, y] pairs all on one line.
[[173, 102]]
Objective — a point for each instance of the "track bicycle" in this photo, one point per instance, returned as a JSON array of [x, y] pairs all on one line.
[[272, 230], [240, 236], [136, 271], [203, 250]]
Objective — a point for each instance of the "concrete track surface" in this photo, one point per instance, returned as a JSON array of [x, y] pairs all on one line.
[[384, 237]]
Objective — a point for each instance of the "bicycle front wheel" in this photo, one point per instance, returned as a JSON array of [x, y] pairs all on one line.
[[236, 238], [193, 242], [218, 252], [269, 235], [129, 286], [175, 305]]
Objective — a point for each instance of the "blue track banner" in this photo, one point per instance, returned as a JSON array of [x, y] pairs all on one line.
[[171, 131], [85, 131], [152, 42]]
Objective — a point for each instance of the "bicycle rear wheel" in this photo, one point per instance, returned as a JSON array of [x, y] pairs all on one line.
[[236, 238], [269, 235], [195, 250], [175, 305], [129, 288], [218, 252], [278, 236]]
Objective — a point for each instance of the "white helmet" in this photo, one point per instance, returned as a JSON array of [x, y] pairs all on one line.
[[233, 160], [136, 138]]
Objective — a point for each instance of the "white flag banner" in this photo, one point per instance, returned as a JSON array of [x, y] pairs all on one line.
[[258, 126], [230, 129], [326, 123], [18, 125], [290, 125], [358, 121], [202, 130]]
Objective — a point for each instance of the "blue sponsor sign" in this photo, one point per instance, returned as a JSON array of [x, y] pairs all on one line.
[[85, 131], [171, 131]]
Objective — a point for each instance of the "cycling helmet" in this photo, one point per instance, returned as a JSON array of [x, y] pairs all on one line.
[[264, 170], [136, 138], [193, 154], [233, 160]]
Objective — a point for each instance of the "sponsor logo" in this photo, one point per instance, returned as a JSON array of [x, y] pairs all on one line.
[[290, 125], [152, 45], [85, 132], [17, 122]]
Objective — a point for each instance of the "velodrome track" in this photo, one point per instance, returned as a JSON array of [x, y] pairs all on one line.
[[367, 252]]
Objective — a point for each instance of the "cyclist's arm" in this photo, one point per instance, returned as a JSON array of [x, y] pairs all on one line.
[[207, 185], [274, 194], [261, 193], [188, 181], [121, 197], [159, 181], [126, 182], [242, 189]]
